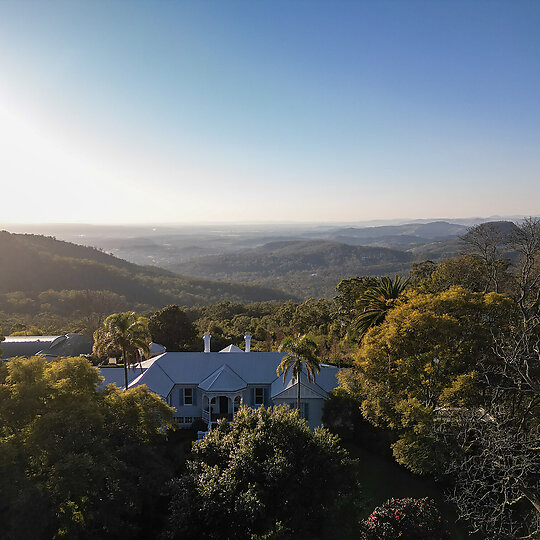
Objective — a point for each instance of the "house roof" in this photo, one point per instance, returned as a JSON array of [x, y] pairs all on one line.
[[115, 375], [224, 379], [324, 382], [231, 348], [212, 372], [68, 345], [156, 348]]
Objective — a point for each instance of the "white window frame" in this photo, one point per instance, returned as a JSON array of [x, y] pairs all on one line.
[[261, 397], [190, 397]]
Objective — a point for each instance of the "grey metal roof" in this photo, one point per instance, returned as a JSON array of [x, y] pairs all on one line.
[[68, 345], [325, 381], [224, 379], [194, 368], [25, 339], [115, 375]]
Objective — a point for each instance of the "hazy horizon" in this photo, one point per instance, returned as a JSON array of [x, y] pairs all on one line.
[[268, 113], [329, 223]]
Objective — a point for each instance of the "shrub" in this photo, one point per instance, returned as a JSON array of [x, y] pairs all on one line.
[[405, 519]]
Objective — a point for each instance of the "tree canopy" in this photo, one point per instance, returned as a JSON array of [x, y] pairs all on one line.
[[86, 461], [423, 356], [172, 328], [265, 475]]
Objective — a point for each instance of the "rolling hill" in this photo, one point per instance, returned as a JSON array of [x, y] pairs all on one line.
[[305, 267], [35, 269]]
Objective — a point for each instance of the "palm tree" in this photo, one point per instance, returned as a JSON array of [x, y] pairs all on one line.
[[377, 301], [126, 333], [301, 351]]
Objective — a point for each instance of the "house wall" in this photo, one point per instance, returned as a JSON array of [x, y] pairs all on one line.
[[249, 395], [189, 412], [314, 408], [185, 412]]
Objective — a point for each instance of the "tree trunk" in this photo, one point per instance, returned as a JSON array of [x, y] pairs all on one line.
[[140, 361], [125, 369], [298, 389]]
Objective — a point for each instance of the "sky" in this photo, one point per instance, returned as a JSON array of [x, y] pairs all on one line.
[[268, 111]]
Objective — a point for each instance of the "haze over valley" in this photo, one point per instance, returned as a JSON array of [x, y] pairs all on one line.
[[295, 261]]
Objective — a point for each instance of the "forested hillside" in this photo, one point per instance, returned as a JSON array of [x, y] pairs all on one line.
[[305, 268], [39, 273]]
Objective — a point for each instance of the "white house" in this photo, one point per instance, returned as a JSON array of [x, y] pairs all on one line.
[[211, 385]]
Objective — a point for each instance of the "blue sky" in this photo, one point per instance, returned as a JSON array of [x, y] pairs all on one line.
[[165, 111]]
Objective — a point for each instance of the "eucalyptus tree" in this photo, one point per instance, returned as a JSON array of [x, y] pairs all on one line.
[[124, 333], [301, 351]]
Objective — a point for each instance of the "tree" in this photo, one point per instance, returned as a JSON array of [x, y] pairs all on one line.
[[404, 519], [468, 271], [348, 292], [496, 465], [264, 475], [424, 356], [377, 301], [488, 241], [126, 333], [302, 351], [525, 240], [172, 328], [85, 461]]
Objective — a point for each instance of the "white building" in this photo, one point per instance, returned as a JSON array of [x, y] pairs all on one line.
[[212, 385]]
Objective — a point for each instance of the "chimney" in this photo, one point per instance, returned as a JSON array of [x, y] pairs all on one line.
[[247, 337], [206, 339]]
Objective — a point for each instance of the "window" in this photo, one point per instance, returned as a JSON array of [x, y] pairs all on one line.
[[259, 396], [188, 396], [188, 419], [179, 419]]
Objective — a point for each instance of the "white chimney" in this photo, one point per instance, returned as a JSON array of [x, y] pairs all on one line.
[[247, 337], [206, 339]]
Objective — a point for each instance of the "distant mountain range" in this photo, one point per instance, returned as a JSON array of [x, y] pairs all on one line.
[[314, 267], [222, 264]]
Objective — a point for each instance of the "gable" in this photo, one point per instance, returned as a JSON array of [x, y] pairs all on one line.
[[291, 392], [224, 379]]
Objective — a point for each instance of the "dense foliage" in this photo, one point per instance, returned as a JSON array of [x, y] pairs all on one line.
[[265, 475], [39, 273], [77, 462], [424, 356], [172, 328], [300, 268], [456, 374], [404, 519]]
